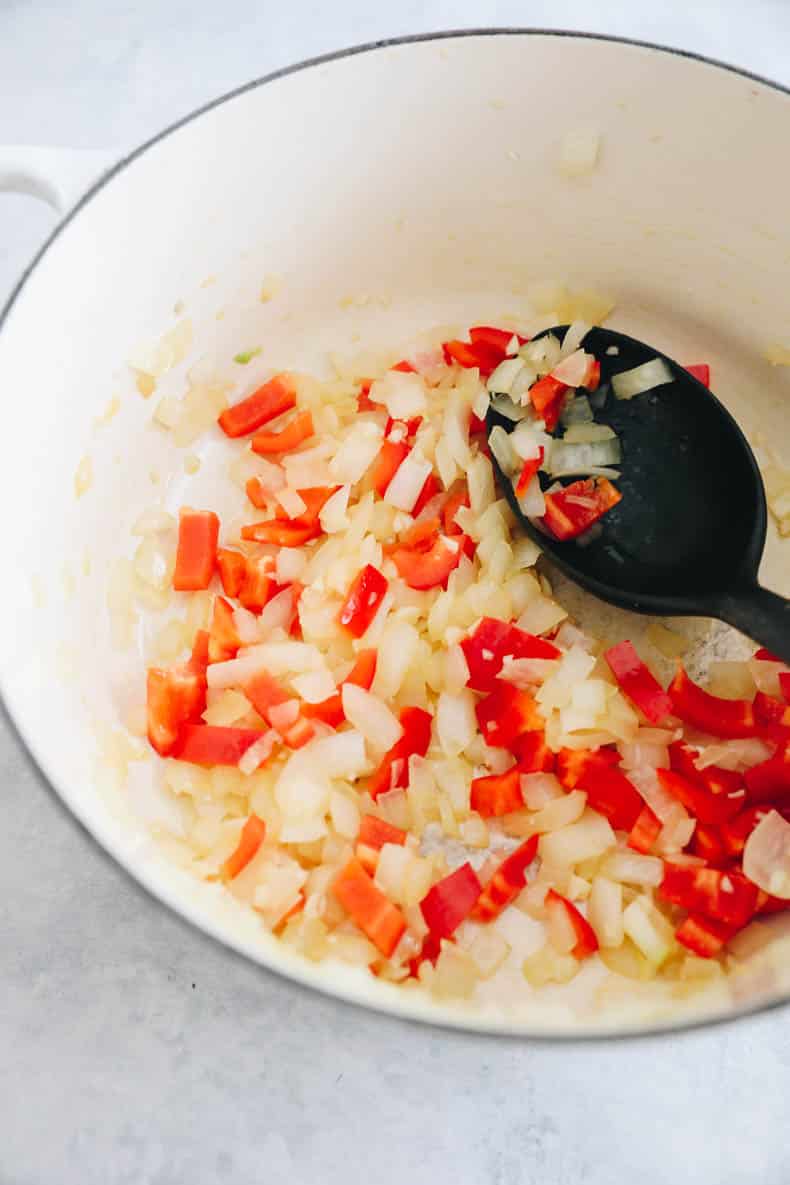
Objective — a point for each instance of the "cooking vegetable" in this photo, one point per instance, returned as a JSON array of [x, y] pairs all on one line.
[[211, 744], [505, 714], [252, 836], [391, 456], [710, 713], [174, 698], [548, 396], [196, 556], [330, 710], [629, 383], [586, 942], [637, 682], [530, 468], [724, 896], [497, 794], [574, 509], [232, 567], [362, 600], [707, 807], [382, 921], [701, 372], [394, 769], [428, 569], [450, 901], [295, 432], [608, 790], [485, 650], [264, 404], [373, 834], [506, 883]]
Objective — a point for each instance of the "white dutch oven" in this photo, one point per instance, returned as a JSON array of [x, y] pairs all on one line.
[[418, 179]]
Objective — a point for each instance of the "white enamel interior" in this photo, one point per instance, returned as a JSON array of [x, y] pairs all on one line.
[[420, 180]]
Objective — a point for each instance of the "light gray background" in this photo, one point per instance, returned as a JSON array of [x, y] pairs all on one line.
[[133, 1050]]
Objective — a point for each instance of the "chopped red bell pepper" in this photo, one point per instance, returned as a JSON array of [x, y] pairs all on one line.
[[393, 772], [701, 372], [450, 901], [735, 832], [283, 534], [174, 698], [429, 569], [390, 457], [784, 684], [196, 555], [421, 536], [770, 780], [212, 744], [698, 801], [295, 432], [331, 710], [430, 489], [265, 404], [707, 842], [257, 585], [256, 493], [593, 376], [586, 940], [483, 355], [199, 658], [455, 500], [232, 566], [264, 693], [362, 601], [645, 830], [530, 468], [500, 339], [533, 754], [485, 650], [506, 713], [506, 883], [497, 794], [366, 905], [724, 896], [373, 834], [547, 396], [710, 713], [314, 498], [713, 778], [704, 936], [574, 509], [771, 712], [763, 655], [608, 790], [364, 402], [224, 639], [253, 833], [638, 683]]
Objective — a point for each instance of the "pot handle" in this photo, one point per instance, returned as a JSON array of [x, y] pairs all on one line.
[[58, 176]]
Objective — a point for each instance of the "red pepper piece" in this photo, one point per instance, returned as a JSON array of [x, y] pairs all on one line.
[[429, 569], [713, 779], [265, 404], [264, 693], [593, 376], [507, 713], [450, 901], [500, 339], [196, 555], [257, 586], [698, 801], [770, 780], [533, 754], [497, 794], [331, 710], [362, 600], [429, 490], [314, 498], [364, 402], [365, 903], [393, 772], [295, 432], [704, 936], [547, 396], [784, 684], [574, 509], [224, 640], [421, 536], [455, 500], [724, 896], [492, 640], [174, 697], [645, 830], [480, 354], [529, 470], [735, 832], [710, 713], [283, 534], [771, 712], [608, 790], [211, 744], [638, 683], [253, 833], [406, 428], [256, 493], [586, 940], [506, 883], [390, 457], [707, 842], [232, 566], [701, 371]]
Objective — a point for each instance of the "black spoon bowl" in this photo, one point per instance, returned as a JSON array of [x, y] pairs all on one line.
[[688, 535]]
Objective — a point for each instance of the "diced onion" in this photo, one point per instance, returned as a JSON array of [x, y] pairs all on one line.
[[246, 625], [501, 380], [766, 856], [258, 752], [590, 837], [605, 911], [410, 476], [499, 443], [632, 868], [291, 501], [573, 369], [504, 406], [567, 460], [539, 789], [314, 686], [402, 394], [290, 564], [277, 613], [283, 715], [371, 717], [456, 725], [574, 336], [649, 930], [629, 383], [580, 432], [356, 453], [577, 411], [542, 352], [333, 516]]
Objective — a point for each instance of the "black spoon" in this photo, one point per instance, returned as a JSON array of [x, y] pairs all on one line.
[[688, 535]]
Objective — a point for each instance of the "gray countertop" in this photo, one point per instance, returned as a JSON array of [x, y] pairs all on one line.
[[136, 1051]]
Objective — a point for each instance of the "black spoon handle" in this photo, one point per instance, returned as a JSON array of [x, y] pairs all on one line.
[[761, 615]]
